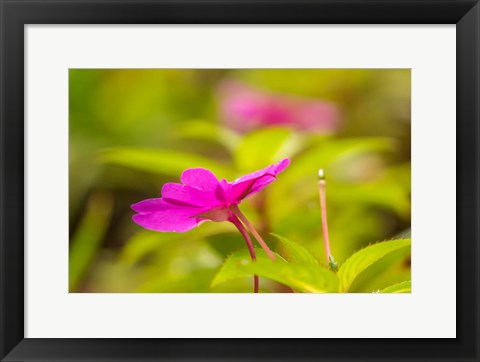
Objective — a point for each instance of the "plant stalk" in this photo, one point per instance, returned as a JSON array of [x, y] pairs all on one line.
[[251, 249], [322, 184], [254, 232]]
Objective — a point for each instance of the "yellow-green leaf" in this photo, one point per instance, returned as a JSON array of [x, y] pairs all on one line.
[[88, 237], [298, 253], [231, 269], [264, 147], [364, 258], [301, 277], [146, 242], [208, 131], [402, 287], [164, 162]]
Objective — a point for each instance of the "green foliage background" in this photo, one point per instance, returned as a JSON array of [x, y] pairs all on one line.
[[133, 130]]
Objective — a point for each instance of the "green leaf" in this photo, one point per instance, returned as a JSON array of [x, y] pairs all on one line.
[[88, 237], [301, 277], [164, 162], [364, 258], [197, 283], [208, 131], [147, 242], [298, 253], [391, 269], [231, 267], [403, 287], [264, 147]]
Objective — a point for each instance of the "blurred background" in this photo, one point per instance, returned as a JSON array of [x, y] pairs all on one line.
[[133, 130]]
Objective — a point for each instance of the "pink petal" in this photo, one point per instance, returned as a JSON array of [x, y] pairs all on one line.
[[167, 221], [219, 213], [149, 205], [159, 215], [199, 178], [188, 196], [255, 181]]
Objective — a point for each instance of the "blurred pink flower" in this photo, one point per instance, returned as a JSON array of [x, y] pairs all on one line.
[[245, 108]]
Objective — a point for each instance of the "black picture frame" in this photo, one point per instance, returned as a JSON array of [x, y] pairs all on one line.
[[15, 14]]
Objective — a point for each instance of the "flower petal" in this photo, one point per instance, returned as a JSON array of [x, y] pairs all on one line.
[[149, 205], [255, 181], [159, 215], [188, 196], [166, 221], [199, 178]]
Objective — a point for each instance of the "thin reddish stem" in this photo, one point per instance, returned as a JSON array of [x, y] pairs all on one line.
[[251, 249], [250, 227], [323, 208]]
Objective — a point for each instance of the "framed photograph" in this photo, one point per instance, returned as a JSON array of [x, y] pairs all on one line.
[[239, 180]]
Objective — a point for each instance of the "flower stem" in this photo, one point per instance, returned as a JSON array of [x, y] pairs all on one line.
[[250, 227], [251, 249], [323, 208]]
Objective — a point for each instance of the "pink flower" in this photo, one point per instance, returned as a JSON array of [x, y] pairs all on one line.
[[200, 197], [245, 108]]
